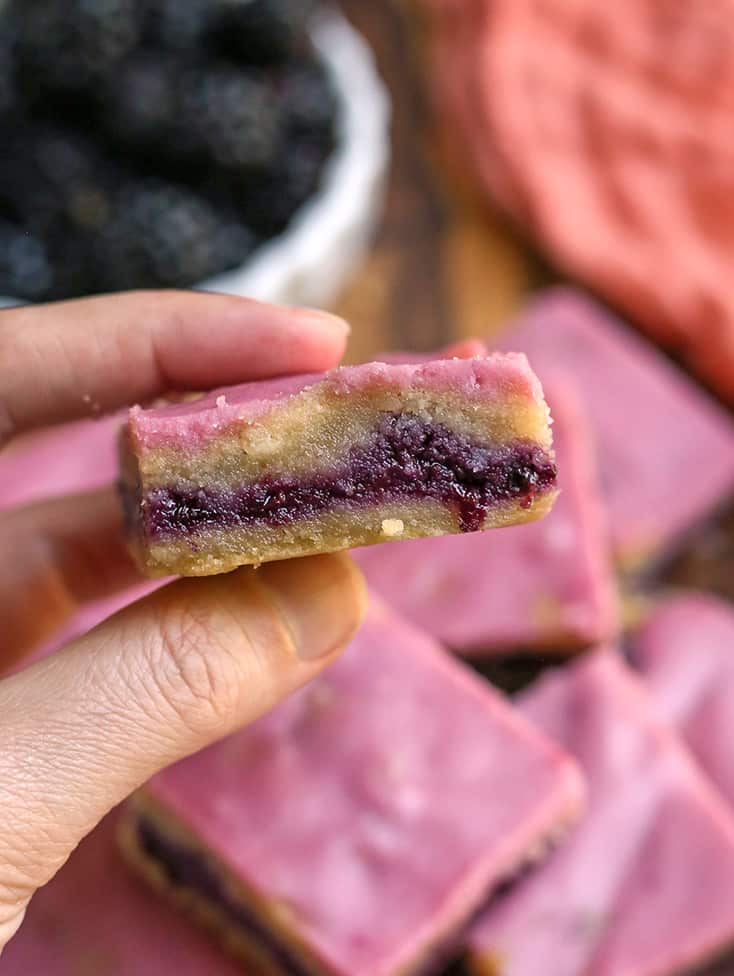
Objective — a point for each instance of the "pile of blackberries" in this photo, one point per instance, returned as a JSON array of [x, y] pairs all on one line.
[[152, 143]]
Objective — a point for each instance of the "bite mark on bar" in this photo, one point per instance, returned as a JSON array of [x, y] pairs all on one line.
[[405, 457]]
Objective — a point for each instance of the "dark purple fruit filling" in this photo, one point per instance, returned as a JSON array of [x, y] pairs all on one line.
[[195, 872], [405, 458]]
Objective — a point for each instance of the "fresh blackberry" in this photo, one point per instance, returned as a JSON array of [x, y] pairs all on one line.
[[74, 261], [162, 235], [66, 47], [141, 102], [52, 178], [231, 118], [261, 31], [309, 102], [178, 25], [9, 97], [269, 206], [25, 270]]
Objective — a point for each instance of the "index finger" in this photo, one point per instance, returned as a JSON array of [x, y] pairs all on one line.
[[72, 359]]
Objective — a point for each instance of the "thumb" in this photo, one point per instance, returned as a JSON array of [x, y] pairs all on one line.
[[160, 680]]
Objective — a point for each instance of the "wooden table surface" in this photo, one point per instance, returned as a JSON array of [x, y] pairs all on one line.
[[445, 266]]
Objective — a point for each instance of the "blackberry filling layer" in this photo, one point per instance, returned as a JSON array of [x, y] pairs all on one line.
[[405, 458], [193, 872], [344, 875], [324, 462]]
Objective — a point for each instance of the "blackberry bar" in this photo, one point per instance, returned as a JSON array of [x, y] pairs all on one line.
[[96, 919], [684, 650], [666, 449], [548, 585], [318, 463], [355, 829], [644, 884]]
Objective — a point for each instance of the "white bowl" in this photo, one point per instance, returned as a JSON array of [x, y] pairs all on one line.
[[327, 238]]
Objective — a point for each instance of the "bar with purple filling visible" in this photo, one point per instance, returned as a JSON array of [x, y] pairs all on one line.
[[95, 918], [665, 448], [644, 884], [356, 829], [545, 586], [684, 649], [318, 463]]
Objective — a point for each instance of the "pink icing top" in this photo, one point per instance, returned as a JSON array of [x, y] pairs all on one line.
[[666, 449], [685, 651], [645, 883], [72, 457], [548, 582], [198, 420], [97, 919], [379, 804]]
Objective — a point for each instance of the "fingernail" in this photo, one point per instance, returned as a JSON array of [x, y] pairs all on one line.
[[322, 601], [319, 317]]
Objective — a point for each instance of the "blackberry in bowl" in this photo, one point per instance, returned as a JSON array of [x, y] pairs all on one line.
[[217, 144]]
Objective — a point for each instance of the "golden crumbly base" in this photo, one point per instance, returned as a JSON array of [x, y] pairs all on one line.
[[277, 918], [233, 939], [216, 550], [490, 965], [273, 917]]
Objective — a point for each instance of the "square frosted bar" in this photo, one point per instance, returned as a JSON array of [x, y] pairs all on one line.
[[685, 650], [665, 447], [59, 460], [360, 455], [644, 884], [95, 918], [544, 586], [356, 829]]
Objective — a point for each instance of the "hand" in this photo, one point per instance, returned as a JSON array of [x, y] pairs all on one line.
[[83, 728]]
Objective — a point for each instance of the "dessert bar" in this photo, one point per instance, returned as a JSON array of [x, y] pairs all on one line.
[[59, 460], [355, 829], [685, 652], [548, 585], [644, 884], [95, 918], [665, 448], [318, 463]]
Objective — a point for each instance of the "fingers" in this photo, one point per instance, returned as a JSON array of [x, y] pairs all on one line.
[[63, 553], [160, 680], [72, 359]]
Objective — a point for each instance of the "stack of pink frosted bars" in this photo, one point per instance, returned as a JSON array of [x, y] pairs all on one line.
[[400, 812]]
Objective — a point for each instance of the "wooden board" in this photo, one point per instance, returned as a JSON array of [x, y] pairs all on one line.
[[444, 266]]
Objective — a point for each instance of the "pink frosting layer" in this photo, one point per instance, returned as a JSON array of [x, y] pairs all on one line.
[[59, 460], [644, 886], [666, 449], [379, 804], [545, 583], [686, 653], [193, 422], [96, 919]]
